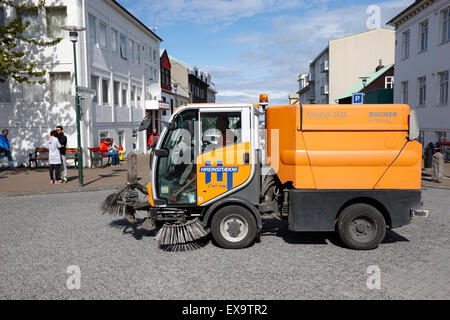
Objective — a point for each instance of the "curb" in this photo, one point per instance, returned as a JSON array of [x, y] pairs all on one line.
[[436, 186], [78, 189]]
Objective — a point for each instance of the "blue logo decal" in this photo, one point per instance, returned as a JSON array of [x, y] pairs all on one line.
[[219, 170]]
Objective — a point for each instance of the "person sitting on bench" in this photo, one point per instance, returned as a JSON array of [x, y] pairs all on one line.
[[108, 151]]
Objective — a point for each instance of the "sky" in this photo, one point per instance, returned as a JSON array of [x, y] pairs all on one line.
[[255, 46]]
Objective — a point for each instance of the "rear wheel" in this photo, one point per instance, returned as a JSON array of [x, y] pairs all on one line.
[[233, 227], [361, 226]]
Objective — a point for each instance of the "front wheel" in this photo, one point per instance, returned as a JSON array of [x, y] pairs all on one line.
[[233, 227], [361, 226]]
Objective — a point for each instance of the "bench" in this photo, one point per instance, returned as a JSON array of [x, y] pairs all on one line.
[[97, 157], [41, 154]]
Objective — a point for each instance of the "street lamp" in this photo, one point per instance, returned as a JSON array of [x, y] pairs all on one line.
[[73, 35], [364, 82], [175, 87]]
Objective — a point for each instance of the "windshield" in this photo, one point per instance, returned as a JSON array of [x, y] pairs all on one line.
[[176, 173]]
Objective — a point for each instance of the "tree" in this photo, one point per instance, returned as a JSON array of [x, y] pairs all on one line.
[[14, 59]]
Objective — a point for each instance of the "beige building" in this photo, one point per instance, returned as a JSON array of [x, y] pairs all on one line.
[[340, 65]]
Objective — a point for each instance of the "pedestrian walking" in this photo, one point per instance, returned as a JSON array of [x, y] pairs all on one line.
[[5, 149], [54, 157], [154, 137], [63, 141], [108, 151]]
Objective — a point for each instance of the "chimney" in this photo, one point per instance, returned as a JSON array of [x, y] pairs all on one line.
[[380, 65]]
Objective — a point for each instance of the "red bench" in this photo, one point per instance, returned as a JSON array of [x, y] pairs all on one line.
[[41, 154]]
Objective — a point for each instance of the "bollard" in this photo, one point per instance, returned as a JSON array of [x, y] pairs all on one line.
[[132, 168], [438, 167]]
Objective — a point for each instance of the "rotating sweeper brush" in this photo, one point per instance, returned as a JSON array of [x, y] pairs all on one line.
[[182, 236]]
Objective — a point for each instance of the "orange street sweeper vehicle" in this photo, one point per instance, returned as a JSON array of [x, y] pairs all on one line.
[[224, 168]]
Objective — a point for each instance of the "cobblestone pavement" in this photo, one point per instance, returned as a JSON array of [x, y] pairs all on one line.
[[42, 235]]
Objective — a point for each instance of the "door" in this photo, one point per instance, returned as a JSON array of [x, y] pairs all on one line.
[[224, 161], [175, 166]]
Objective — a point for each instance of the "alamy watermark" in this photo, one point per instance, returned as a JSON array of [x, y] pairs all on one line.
[[374, 280], [374, 19], [74, 280]]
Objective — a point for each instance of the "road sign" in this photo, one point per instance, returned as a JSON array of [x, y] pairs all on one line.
[[358, 98]]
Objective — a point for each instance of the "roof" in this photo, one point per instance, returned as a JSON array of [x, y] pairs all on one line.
[[135, 19], [359, 85], [404, 11]]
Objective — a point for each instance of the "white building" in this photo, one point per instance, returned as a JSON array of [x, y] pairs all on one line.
[[343, 61], [117, 57], [422, 64]]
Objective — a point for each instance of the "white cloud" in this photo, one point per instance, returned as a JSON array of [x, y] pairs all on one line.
[[208, 12], [285, 52]]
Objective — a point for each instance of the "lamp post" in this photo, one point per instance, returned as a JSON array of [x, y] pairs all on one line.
[[364, 82], [73, 35], [175, 86]]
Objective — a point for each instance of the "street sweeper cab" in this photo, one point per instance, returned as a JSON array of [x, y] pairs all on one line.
[[225, 168]]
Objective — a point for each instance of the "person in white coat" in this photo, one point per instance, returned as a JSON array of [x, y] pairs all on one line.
[[54, 157]]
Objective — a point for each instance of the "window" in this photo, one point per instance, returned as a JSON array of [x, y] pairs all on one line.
[[123, 46], [219, 129], [422, 91], [150, 72], [60, 84], [154, 55], [423, 35], [138, 95], [94, 86], [441, 135], [114, 41], [5, 96], [148, 95], [124, 94], [92, 30], [443, 87], [165, 77], [56, 18], [30, 15], [102, 35], [183, 149], [406, 38], [116, 93], [405, 92], [133, 91], [446, 25], [32, 92], [105, 91], [121, 137], [155, 74], [389, 83], [138, 54], [132, 50], [103, 135]]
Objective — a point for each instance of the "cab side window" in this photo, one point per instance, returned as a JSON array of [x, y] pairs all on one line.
[[220, 129]]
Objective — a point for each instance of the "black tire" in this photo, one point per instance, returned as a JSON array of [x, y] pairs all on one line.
[[233, 227], [361, 226]]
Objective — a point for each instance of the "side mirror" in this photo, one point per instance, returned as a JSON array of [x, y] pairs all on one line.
[[174, 124]]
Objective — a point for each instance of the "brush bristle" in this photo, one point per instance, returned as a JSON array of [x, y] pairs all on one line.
[[176, 234], [111, 206]]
